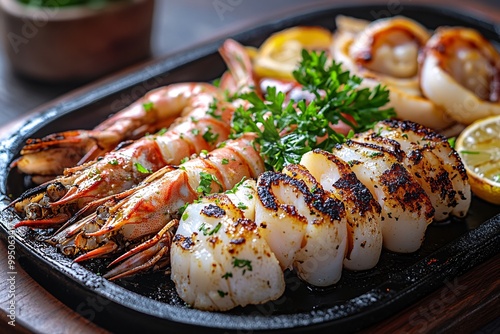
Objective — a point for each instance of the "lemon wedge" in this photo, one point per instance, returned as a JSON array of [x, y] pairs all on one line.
[[279, 55], [479, 147]]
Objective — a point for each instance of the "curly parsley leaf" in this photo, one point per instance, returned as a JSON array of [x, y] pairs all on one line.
[[287, 131]]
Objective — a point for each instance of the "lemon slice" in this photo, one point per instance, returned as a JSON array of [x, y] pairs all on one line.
[[279, 55], [479, 147]]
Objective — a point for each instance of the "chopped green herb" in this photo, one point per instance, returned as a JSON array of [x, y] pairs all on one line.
[[183, 160], [241, 263], [195, 132], [469, 152], [216, 229], [141, 169], [113, 162], [148, 106], [161, 132], [227, 275], [451, 141], [225, 161], [206, 180], [221, 293], [209, 136], [206, 229], [212, 109], [242, 206], [236, 186], [375, 154], [183, 209]]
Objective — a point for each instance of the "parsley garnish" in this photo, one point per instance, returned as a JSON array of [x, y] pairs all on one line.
[[224, 161], [209, 136], [286, 132], [113, 162], [161, 132], [212, 109], [182, 209], [205, 186], [148, 106], [240, 263], [227, 275], [452, 141], [206, 229], [141, 169], [236, 186]]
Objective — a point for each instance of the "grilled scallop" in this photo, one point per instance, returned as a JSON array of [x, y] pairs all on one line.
[[446, 171], [305, 228], [385, 52], [220, 261], [406, 208], [362, 210], [460, 71], [425, 167]]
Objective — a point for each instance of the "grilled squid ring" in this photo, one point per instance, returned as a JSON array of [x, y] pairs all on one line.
[[386, 52], [460, 71]]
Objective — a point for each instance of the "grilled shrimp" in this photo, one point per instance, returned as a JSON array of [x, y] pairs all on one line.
[[49, 156], [460, 71], [385, 52], [155, 202], [205, 122], [219, 259], [122, 169]]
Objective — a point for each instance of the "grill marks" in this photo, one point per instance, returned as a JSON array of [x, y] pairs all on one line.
[[332, 211]]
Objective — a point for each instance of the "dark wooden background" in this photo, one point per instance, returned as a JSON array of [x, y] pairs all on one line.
[[179, 25]]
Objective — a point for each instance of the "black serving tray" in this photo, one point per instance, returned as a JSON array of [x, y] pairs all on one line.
[[148, 303]]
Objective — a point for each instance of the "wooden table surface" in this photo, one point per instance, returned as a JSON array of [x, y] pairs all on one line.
[[179, 25]]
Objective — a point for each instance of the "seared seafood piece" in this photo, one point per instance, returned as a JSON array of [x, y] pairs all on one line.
[[436, 165], [363, 212], [205, 123], [460, 71], [386, 52], [219, 259], [305, 229], [406, 208], [154, 203], [50, 155]]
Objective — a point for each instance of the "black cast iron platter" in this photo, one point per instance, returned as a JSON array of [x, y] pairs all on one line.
[[149, 302]]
